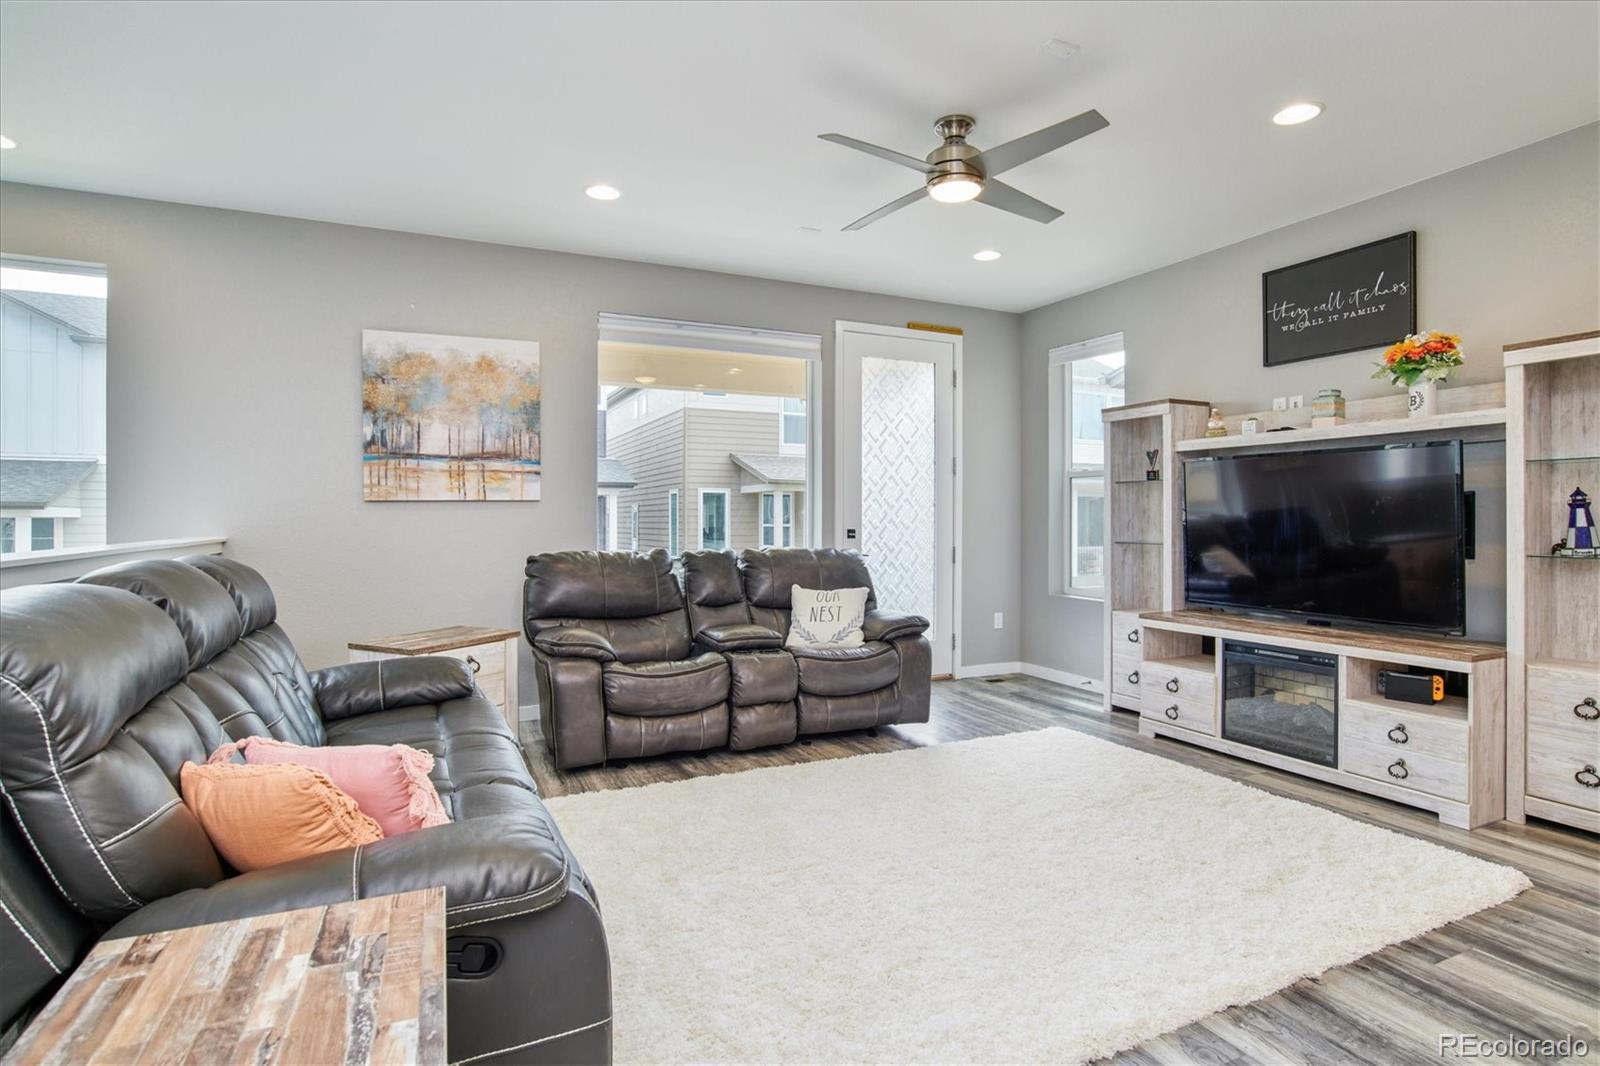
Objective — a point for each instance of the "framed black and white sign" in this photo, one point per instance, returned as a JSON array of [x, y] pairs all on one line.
[[1359, 298]]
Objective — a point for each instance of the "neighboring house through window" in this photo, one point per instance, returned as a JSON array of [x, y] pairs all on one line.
[[633, 527], [52, 406], [704, 430]]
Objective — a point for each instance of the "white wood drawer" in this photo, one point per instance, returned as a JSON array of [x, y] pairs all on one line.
[[1163, 680], [1445, 778], [1563, 741], [1127, 675], [1403, 728], [1187, 711], [1126, 633]]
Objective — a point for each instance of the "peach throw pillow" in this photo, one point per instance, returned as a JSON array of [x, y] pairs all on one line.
[[260, 816], [389, 782]]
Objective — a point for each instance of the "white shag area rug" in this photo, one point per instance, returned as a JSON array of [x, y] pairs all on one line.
[[1042, 896]]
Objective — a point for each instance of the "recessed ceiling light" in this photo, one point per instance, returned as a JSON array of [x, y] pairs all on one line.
[[601, 192], [645, 380], [6, 142], [1296, 113], [736, 370], [988, 255]]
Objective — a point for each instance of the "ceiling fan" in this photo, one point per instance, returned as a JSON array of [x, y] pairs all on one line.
[[956, 172]]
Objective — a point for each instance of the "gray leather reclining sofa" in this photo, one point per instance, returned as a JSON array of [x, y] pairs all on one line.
[[108, 685], [629, 663]]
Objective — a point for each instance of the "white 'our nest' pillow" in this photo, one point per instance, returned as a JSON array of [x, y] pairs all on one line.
[[826, 618]]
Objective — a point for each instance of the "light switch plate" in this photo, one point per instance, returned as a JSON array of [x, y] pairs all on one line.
[[1280, 403], [1296, 402], [999, 620]]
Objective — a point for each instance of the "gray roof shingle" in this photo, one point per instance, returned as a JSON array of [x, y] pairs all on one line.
[[86, 315], [35, 482], [614, 475], [773, 469]]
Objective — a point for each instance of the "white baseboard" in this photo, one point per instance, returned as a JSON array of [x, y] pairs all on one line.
[[1045, 673], [988, 669], [528, 712], [1063, 677]]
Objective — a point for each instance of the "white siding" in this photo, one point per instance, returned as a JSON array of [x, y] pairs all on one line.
[[52, 388]]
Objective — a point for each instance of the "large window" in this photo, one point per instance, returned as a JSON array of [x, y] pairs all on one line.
[[706, 430], [52, 406], [1084, 379]]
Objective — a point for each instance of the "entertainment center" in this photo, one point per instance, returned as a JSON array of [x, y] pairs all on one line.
[[1320, 577]]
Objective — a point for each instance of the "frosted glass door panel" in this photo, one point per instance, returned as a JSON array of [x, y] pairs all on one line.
[[900, 483]]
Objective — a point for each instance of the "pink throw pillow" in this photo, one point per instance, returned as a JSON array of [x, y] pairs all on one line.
[[389, 782]]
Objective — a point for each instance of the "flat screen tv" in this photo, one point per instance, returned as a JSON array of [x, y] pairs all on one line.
[[1369, 536]]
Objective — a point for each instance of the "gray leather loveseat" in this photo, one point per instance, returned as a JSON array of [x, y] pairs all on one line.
[[108, 685], [629, 663]]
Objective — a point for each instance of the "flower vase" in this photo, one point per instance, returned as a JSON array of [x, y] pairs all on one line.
[[1422, 399]]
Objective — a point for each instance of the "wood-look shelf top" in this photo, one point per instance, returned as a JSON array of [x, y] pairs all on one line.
[[433, 641], [1384, 427], [357, 983], [1380, 644]]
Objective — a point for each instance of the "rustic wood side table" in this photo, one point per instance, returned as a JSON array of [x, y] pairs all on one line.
[[353, 983], [489, 651]]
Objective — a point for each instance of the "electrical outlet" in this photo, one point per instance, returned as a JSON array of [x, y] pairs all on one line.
[[1296, 402], [1280, 403], [999, 620]]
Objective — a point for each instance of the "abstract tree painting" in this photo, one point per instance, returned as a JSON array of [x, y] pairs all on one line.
[[449, 418]]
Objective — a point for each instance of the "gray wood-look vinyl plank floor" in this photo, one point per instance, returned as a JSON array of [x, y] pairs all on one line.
[[1527, 969]]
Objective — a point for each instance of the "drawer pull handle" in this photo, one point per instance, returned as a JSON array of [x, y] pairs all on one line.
[[1402, 738], [1587, 777], [1587, 710], [1398, 771], [1133, 678], [475, 664], [1172, 684], [1172, 712], [1133, 636]]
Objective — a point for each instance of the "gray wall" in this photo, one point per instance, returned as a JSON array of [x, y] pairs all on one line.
[[235, 401], [1506, 251]]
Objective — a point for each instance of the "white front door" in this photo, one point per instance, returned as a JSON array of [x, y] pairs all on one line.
[[895, 475]]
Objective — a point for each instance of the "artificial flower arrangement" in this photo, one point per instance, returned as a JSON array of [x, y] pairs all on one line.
[[1426, 356]]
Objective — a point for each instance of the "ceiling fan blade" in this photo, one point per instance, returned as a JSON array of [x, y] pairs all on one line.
[[888, 209], [920, 166], [1002, 157], [999, 194]]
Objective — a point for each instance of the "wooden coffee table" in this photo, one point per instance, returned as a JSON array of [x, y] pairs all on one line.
[[360, 982]]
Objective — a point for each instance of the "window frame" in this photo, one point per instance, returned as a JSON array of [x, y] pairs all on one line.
[[727, 518], [784, 416], [1069, 479], [782, 524]]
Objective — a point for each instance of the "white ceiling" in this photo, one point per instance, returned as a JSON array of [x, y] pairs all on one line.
[[487, 121]]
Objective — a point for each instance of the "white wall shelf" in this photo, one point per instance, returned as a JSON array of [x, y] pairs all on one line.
[[1385, 427]]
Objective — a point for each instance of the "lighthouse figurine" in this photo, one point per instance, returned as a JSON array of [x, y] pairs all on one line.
[[1580, 527]]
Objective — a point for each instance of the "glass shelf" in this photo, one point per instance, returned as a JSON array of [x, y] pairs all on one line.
[[1137, 481], [1145, 543], [1567, 558], [1568, 459]]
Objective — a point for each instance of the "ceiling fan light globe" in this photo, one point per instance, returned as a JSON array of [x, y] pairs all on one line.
[[955, 188]]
